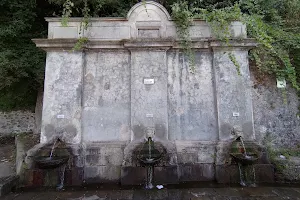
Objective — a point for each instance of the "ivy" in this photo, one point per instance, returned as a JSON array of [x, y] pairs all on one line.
[[273, 53], [183, 18], [80, 43], [67, 12]]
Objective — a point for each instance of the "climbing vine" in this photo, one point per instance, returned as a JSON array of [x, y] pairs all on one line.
[[275, 40], [67, 12], [183, 18], [271, 56]]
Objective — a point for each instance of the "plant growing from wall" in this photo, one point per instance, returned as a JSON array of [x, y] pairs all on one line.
[[183, 18], [275, 25], [271, 56], [67, 12]]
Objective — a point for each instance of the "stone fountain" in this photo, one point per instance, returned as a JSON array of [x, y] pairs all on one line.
[[149, 156], [132, 74], [245, 161], [51, 161]]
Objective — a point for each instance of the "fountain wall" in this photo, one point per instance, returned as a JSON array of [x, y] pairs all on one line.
[[132, 76]]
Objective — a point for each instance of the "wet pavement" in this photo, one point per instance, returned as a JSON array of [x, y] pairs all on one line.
[[228, 193]]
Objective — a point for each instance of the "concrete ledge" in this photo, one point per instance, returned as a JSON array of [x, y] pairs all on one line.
[[68, 44], [166, 175], [264, 173], [8, 184], [51, 177], [197, 172], [133, 175]]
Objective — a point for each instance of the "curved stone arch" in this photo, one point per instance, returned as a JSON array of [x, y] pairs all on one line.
[[148, 20], [139, 7]]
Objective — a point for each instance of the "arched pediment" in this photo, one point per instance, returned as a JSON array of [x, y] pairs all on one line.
[[148, 20], [153, 8]]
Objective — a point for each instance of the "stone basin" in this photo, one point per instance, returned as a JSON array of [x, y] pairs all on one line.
[[149, 161], [45, 162], [149, 154], [244, 159]]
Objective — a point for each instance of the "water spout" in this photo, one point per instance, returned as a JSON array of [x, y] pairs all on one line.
[[243, 145], [245, 165], [52, 150]]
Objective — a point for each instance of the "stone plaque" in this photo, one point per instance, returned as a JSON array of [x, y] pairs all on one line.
[[148, 81]]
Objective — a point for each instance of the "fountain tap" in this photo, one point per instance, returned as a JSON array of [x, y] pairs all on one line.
[[149, 133], [237, 131]]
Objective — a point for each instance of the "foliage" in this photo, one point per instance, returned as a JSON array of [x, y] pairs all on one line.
[[67, 11], [80, 43], [183, 18], [275, 24], [21, 63], [264, 22]]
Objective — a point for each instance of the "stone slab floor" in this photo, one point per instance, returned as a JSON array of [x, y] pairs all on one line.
[[230, 193]]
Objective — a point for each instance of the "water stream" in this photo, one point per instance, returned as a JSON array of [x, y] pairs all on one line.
[[245, 153], [149, 180], [242, 179], [52, 150], [149, 147], [150, 167], [245, 179], [62, 171]]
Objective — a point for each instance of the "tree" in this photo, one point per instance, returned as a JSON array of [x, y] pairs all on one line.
[[21, 63]]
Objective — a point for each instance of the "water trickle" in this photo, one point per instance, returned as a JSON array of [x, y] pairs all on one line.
[[61, 177], [149, 180], [242, 180], [52, 150], [245, 153], [149, 147]]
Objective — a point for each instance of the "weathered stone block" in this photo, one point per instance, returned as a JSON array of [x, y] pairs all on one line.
[[208, 172], [78, 161], [102, 174], [8, 184], [93, 151], [166, 175], [91, 160], [38, 178], [74, 177], [187, 158], [133, 175], [108, 156], [264, 173], [65, 32], [90, 172], [222, 174], [206, 157], [51, 177], [197, 172]]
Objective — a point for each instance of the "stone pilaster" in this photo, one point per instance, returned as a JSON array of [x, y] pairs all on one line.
[[149, 81], [62, 97], [233, 91]]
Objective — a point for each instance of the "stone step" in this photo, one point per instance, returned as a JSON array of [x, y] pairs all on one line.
[[8, 184]]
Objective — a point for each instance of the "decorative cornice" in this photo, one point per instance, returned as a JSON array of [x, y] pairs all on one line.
[[245, 43], [156, 44], [144, 5]]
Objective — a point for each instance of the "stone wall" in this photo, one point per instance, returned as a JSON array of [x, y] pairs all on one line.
[[16, 122], [122, 88], [275, 116]]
